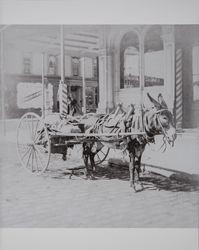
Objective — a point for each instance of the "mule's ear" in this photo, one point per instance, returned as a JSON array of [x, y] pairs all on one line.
[[155, 103], [162, 101]]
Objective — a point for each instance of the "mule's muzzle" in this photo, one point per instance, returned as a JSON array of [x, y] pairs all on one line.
[[171, 136]]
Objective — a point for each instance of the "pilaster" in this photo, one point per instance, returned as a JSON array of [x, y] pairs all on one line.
[[168, 37], [105, 80]]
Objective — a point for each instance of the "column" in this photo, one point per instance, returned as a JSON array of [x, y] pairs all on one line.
[[105, 81], [48, 97], [105, 72], [169, 65], [184, 77], [110, 53], [55, 97], [2, 82], [83, 85], [141, 66], [63, 90], [43, 87], [187, 85], [116, 76]]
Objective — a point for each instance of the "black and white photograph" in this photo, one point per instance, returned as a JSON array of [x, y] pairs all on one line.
[[99, 126]]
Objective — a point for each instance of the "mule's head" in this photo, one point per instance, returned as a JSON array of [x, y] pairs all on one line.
[[159, 120]]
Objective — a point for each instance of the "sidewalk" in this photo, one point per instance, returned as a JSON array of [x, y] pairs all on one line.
[[183, 157]]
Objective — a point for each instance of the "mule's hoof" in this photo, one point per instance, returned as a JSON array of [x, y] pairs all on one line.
[[90, 177], [133, 187], [138, 187]]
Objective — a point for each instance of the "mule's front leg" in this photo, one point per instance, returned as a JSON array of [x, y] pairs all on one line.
[[132, 170], [92, 165], [138, 184], [85, 157]]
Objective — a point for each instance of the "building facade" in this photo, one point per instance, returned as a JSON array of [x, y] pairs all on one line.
[[23, 77], [121, 64], [134, 60]]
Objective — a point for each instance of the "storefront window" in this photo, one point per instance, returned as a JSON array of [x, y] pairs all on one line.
[[75, 66], [52, 65], [154, 58], [195, 62], [95, 68], [26, 65], [129, 61]]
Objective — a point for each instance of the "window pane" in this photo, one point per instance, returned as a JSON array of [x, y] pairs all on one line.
[[52, 67], [129, 61], [26, 65], [131, 68], [196, 73], [95, 70], [75, 66], [154, 58]]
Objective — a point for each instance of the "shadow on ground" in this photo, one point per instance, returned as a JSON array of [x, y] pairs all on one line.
[[151, 180]]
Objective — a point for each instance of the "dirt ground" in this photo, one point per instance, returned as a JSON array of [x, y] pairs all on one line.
[[54, 200]]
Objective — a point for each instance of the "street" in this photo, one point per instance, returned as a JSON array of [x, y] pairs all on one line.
[[54, 200]]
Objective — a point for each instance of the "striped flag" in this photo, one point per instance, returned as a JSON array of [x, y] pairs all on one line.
[[63, 94]]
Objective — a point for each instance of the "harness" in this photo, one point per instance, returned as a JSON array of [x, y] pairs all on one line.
[[135, 122]]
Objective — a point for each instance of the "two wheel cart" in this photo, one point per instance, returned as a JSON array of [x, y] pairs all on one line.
[[36, 143]]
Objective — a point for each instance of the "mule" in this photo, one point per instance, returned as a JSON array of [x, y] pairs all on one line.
[[154, 121]]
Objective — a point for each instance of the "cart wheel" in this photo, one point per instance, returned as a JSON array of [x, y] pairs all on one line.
[[33, 143], [101, 155]]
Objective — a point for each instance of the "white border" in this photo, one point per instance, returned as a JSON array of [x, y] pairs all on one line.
[[99, 239], [99, 12]]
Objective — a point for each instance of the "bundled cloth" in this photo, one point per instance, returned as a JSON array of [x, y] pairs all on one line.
[[59, 124]]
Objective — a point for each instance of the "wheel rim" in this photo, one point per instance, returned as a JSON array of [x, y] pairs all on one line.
[[33, 143], [101, 155]]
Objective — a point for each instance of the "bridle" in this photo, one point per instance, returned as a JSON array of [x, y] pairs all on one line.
[[158, 122]]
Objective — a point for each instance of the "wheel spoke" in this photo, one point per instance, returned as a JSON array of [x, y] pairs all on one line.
[[35, 132], [41, 148], [36, 160], [29, 128], [32, 162], [98, 157], [29, 157], [29, 148], [102, 152], [23, 147], [39, 134], [38, 153]]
